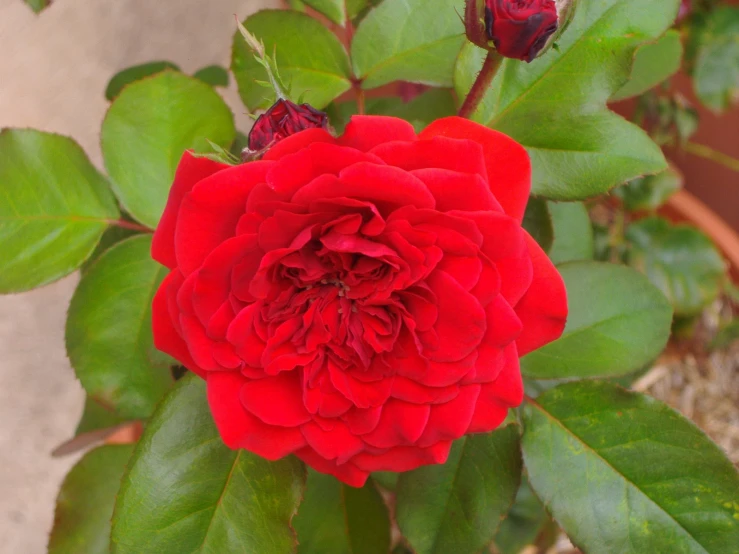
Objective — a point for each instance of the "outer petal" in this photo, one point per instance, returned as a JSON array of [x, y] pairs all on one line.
[[276, 400], [458, 191], [543, 309], [347, 473], [403, 458], [365, 132], [210, 213], [508, 164], [238, 428], [190, 171], [296, 142]]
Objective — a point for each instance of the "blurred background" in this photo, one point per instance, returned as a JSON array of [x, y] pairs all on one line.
[[53, 72]]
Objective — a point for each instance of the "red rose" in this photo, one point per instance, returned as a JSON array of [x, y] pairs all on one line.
[[520, 28], [359, 301], [283, 119]]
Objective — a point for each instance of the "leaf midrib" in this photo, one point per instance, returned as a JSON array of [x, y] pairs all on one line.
[[595, 453]]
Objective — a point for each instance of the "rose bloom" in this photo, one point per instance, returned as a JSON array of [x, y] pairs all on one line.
[[359, 301], [519, 29]]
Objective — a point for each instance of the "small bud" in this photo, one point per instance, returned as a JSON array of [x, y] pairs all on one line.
[[685, 9], [519, 29], [283, 119]]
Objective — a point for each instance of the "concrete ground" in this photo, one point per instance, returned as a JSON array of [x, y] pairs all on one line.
[[53, 71]]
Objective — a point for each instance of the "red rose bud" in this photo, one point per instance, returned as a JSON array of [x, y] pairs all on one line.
[[283, 119], [685, 9]]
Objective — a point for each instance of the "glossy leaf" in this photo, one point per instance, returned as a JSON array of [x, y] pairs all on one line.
[[413, 40], [186, 492], [85, 503], [716, 71], [148, 128], [214, 75], [650, 192], [618, 321], [622, 472], [340, 519], [54, 207], [456, 507], [386, 479], [335, 10], [679, 260], [108, 333], [538, 223], [654, 63], [133, 74], [556, 105], [573, 232], [112, 235], [96, 416], [38, 5], [310, 59], [526, 522]]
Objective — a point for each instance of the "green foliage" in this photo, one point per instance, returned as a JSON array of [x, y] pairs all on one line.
[[310, 59], [716, 71], [147, 129], [55, 208], [556, 105], [538, 223], [185, 491], [112, 235], [132, 74], [214, 75], [650, 192], [414, 40], [95, 416], [340, 519], [526, 523], [85, 502], [618, 321], [456, 507], [108, 333], [679, 260], [38, 5], [654, 62], [573, 232], [622, 472]]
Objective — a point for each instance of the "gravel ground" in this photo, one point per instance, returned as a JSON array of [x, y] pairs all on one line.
[[53, 72]]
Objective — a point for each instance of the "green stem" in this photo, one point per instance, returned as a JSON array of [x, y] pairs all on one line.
[[481, 84], [709, 153], [130, 225]]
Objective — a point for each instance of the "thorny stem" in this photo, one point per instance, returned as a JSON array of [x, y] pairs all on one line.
[[482, 83], [709, 153], [129, 225]]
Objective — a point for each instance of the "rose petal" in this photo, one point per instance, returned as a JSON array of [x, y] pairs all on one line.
[[276, 400], [458, 191], [240, 429], [337, 443], [296, 142], [507, 162], [450, 421], [463, 156], [401, 423], [346, 473], [190, 171], [543, 309], [366, 132], [403, 458]]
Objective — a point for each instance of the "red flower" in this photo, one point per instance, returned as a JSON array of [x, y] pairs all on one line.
[[361, 301], [283, 119], [520, 28]]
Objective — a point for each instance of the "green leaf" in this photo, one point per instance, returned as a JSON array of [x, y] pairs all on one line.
[[456, 507], [85, 502], [214, 75], [186, 492], [618, 321], [556, 105], [622, 472], [54, 208], [538, 223], [414, 40], [573, 232], [654, 62], [525, 522], [386, 479], [108, 333], [310, 59], [339, 519], [679, 260], [146, 131], [650, 192], [112, 235], [716, 72], [133, 74], [335, 10], [96, 416], [38, 5]]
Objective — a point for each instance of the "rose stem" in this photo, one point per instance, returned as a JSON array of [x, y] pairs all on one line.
[[356, 83], [129, 225], [709, 153], [484, 78]]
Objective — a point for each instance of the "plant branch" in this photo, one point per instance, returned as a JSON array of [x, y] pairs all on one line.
[[709, 153], [129, 225], [356, 82], [481, 84]]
